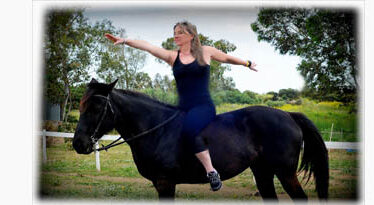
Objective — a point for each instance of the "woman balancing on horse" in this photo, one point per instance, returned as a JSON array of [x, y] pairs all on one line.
[[191, 71], [162, 138]]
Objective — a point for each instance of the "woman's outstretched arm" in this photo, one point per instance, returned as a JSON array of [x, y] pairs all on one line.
[[222, 57], [158, 52]]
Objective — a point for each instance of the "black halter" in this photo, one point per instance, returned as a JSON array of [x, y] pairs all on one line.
[[112, 144]]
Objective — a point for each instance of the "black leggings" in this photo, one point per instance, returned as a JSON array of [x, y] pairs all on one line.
[[197, 118]]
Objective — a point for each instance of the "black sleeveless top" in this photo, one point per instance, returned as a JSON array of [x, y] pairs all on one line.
[[192, 83]]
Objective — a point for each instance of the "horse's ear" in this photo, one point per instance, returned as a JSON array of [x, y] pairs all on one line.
[[94, 81], [111, 86]]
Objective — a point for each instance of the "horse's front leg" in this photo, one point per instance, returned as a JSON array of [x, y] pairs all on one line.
[[165, 189]]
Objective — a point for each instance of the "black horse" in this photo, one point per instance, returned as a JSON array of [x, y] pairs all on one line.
[[265, 139]]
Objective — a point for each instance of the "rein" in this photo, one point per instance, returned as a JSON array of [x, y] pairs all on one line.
[[112, 144]]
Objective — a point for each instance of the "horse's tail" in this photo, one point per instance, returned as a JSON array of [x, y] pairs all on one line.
[[315, 156]]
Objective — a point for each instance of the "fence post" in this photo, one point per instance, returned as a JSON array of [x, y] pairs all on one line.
[[332, 128], [97, 155], [341, 134], [44, 146]]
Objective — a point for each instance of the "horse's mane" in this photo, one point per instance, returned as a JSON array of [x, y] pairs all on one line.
[[144, 97]]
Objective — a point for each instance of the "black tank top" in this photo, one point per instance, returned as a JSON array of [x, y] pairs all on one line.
[[192, 83]]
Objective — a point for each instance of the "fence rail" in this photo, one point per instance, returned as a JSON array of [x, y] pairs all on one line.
[[44, 134]]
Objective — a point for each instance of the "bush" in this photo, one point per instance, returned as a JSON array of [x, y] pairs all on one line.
[[275, 103], [234, 97], [163, 96], [295, 102], [299, 102], [72, 118], [288, 94], [219, 97], [67, 127]]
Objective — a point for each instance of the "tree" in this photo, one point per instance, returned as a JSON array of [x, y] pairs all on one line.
[[72, 47], [66, 55], [77, 93], [142, 81], [124, 64], [324, 39], [163, 83], [217, 80], [274, 94], [288, 94]]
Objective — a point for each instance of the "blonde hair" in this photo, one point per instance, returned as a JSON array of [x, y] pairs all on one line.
[[196, 49]]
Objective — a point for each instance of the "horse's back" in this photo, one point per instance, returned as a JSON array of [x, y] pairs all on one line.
[[238, 138]]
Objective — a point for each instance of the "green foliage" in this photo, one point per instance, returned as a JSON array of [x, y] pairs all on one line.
[[235, 97], [65, 53], [77, 93], [324, 39], [124, 64], [71, 46], [218, 97], [161, 95], [275, 103], [288, 94], [164, 83], [274, 94], [67, 127], [349, 97], [274, 99]]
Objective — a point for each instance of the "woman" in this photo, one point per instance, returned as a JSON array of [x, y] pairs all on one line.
[[191, 64]]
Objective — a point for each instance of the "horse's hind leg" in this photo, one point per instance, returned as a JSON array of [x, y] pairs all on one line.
[[292, 186], [265, 182], [165, 189]]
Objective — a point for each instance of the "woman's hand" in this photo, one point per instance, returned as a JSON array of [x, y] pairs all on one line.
[[252, 67], [114, 39]]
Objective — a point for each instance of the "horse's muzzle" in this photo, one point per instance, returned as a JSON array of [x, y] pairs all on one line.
[[82, 146]]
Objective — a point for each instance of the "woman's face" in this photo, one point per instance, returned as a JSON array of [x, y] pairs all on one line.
[[182, 37]]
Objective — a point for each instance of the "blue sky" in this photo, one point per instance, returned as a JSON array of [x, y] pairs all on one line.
[[154, 24]]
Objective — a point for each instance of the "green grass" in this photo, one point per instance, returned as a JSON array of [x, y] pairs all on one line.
[[324, 114], [67, 175], [72, 162], [84, 187]]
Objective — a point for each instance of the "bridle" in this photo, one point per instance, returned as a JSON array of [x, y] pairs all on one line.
[[112, 144], [93, 139]]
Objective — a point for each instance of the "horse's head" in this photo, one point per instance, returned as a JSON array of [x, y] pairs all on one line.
[[96, 116]]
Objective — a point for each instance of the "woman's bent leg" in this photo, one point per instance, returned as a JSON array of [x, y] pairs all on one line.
[[212, 174], [204, 158]]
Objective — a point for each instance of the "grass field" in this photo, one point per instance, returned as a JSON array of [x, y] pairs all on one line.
[[67, 175]]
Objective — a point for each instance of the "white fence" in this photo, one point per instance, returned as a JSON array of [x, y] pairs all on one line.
[[44, 134]]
